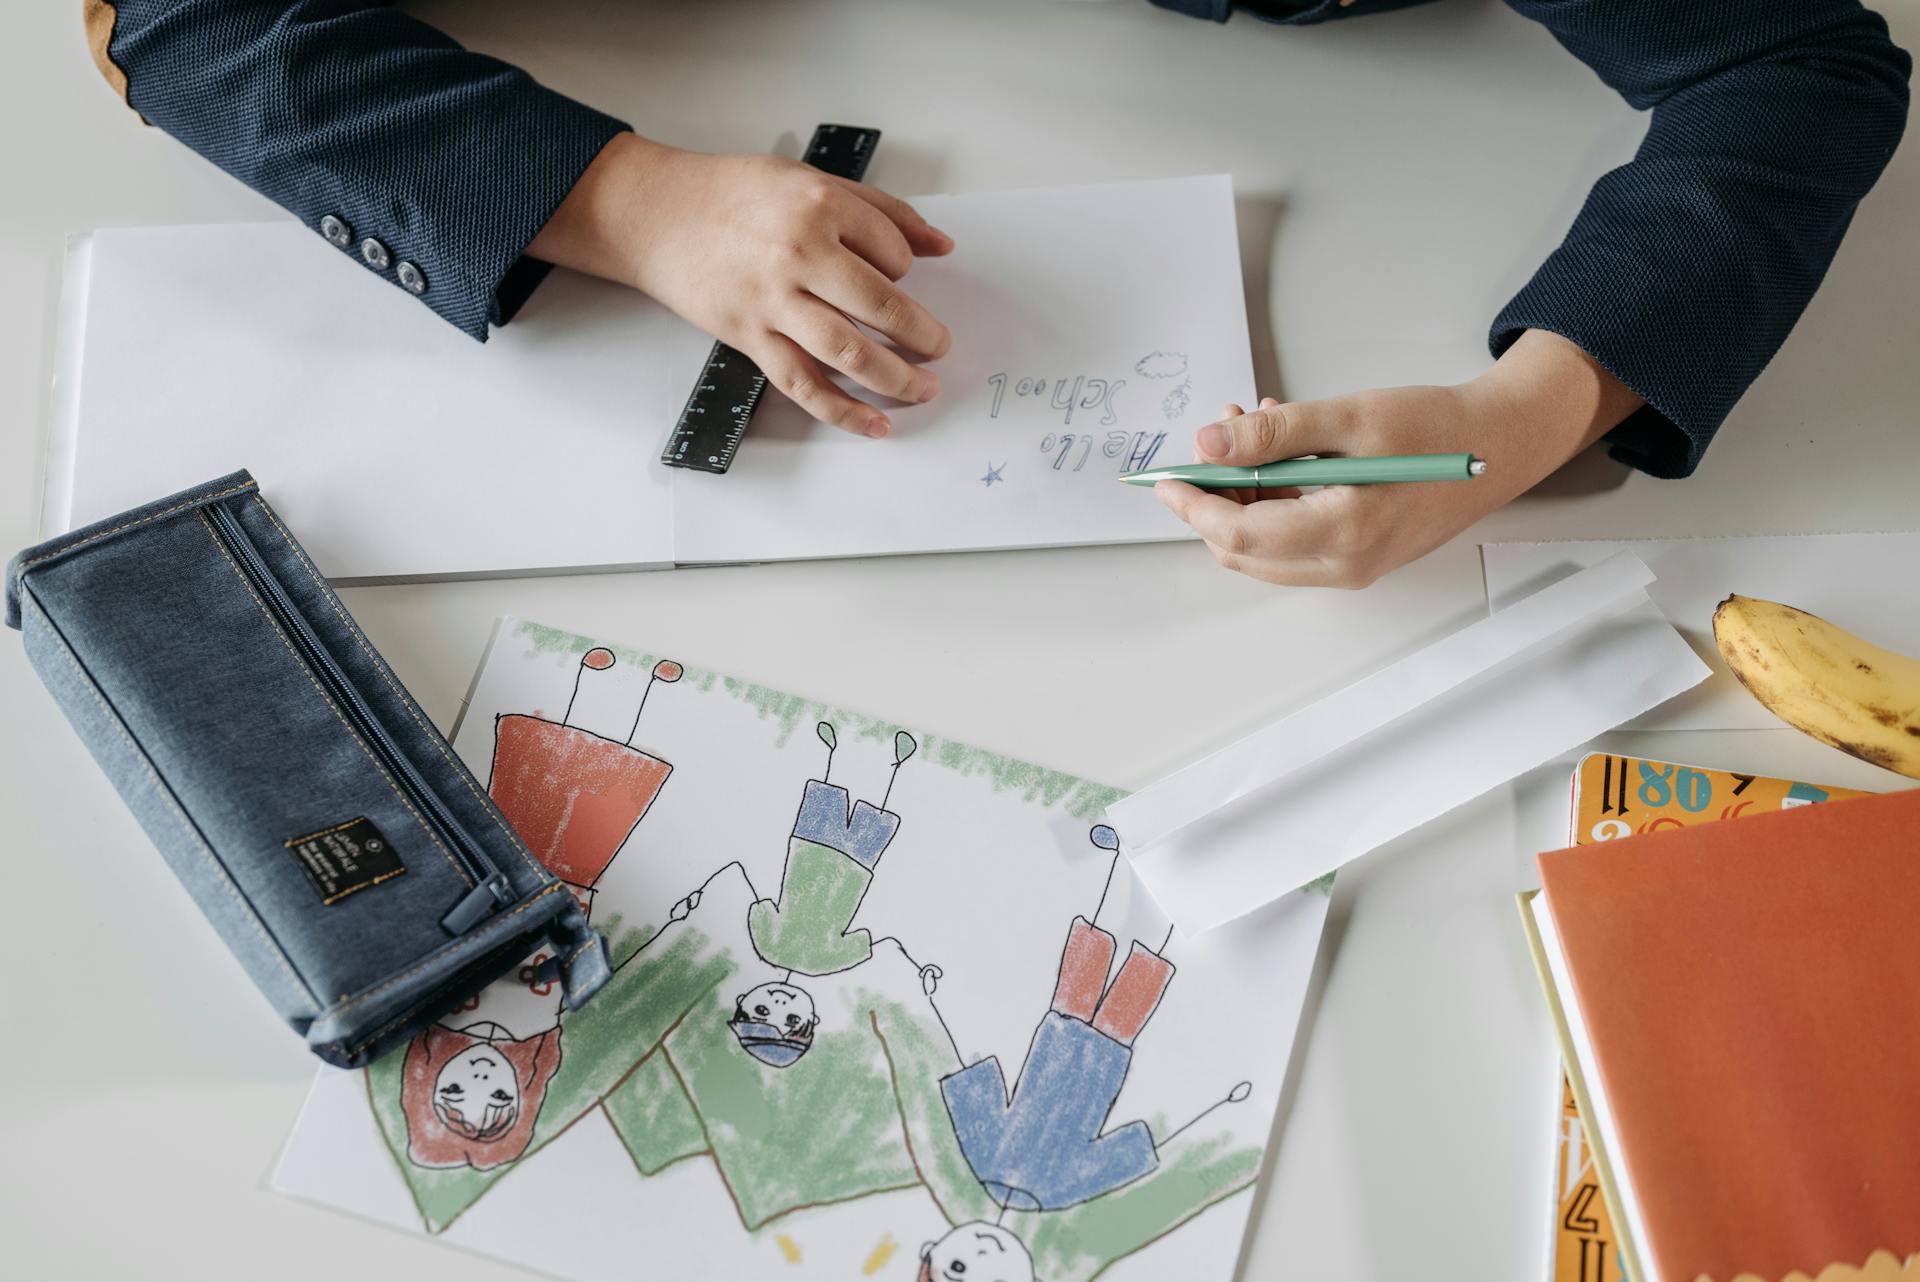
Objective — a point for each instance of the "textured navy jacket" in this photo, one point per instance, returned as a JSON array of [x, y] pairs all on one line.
[[1682, 275]]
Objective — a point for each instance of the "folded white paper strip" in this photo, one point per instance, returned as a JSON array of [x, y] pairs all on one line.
[[1843, 577], [1302, 796]]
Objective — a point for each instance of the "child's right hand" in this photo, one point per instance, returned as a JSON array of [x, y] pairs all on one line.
[[770, 256]]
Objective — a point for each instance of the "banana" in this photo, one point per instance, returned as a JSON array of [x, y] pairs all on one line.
[[1824, 680]]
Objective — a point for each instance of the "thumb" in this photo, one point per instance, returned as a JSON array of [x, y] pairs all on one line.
[[1265, 435]]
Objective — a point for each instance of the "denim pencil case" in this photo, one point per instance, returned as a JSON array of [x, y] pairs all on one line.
[[353, 864]]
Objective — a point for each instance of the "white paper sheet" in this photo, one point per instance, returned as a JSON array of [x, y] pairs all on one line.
[[396, 445], [659, 1138], [1859, 581], [1094, 329], [1302, 796]]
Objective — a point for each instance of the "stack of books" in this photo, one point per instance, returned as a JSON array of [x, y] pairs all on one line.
[[1739, 1011]]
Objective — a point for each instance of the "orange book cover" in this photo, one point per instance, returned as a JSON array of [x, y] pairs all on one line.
[[1615, 797], [1751, 992]]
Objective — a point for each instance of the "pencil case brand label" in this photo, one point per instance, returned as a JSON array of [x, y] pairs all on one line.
[[345, 858]]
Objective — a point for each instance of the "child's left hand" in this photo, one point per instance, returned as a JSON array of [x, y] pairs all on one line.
[[1543, 402]]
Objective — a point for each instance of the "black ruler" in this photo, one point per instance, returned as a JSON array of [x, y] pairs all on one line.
[[730, 384]]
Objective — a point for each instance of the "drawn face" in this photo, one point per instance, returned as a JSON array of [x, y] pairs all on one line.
[[477, 1094], [787, 1008], [976, 1252], [774, 1023]]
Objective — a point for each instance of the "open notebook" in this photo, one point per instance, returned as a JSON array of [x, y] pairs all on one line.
[[1095, 328], [1736, 1004]]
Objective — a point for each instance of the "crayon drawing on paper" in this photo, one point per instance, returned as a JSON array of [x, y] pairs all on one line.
[[884, 1005]]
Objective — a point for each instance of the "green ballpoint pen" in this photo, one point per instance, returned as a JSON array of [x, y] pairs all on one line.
[[1380, 470]]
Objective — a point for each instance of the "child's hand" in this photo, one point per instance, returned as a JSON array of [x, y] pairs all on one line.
[[770, 256], [1542, 403]]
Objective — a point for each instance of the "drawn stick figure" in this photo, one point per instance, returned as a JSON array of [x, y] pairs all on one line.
[[575, 798], [1044, 1145], [473, 1085], [832, 853]]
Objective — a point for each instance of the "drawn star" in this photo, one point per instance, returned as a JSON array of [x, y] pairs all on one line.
[[993, 474]]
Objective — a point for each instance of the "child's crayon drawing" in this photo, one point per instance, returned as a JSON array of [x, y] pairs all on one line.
[[778, 1058]]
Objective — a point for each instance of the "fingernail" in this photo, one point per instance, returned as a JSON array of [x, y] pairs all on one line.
[[1214, 440], [931, 390], [940, 234], [878, 426]]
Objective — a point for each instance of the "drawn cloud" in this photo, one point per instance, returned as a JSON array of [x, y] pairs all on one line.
[[1161, 365]]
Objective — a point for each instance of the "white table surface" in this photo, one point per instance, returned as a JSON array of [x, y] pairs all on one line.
[[1398, 178]]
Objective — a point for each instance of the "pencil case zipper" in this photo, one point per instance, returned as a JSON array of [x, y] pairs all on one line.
[[491, 889]]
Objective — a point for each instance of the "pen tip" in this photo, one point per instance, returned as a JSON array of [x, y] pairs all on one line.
[[1477, 467]]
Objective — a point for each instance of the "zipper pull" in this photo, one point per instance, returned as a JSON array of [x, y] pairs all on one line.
[[475, 905]]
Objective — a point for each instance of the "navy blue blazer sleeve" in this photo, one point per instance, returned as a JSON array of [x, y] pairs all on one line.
[[370, 126], [1688, 266]]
